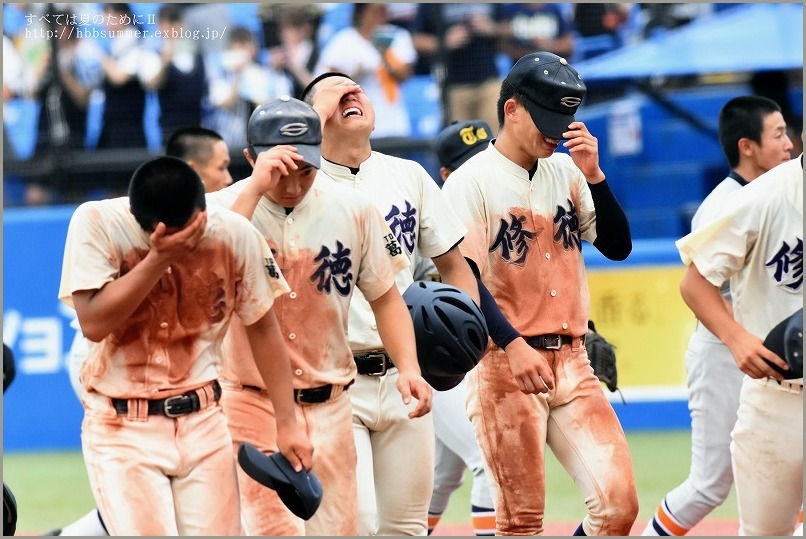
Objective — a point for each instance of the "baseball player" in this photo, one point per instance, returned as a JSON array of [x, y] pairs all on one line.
[[394, 481], [752, 132], [456, 445], [757, 244], [527, 210], [154, 278], [206, 152], [329, 244]]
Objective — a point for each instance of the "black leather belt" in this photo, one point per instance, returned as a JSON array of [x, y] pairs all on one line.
[[309, 395], [551, 342], [373, 363], [175, 406]]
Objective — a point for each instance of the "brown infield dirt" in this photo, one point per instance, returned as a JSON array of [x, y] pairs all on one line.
[[711, 528]]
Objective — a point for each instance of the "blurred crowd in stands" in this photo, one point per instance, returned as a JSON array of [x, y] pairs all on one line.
[[88, 76]]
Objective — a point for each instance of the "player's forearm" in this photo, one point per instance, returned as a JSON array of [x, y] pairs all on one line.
[[613, 237], [247, 201], [396, 330], [101, 312], [274, 365], [455, 271], [708, 306]]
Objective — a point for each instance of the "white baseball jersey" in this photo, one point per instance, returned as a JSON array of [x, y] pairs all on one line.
[[331, 246], [710, 208], [512, 219], [417, 214], [172, 341], [757, 243]]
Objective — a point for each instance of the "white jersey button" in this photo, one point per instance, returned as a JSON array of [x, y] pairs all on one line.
[[158, 360], [548, 256], [292, 243], [290, 220], [374, 326], [164, 325], [292, 336], [553, 293], [298, 372], [292, 295], [565, 326]]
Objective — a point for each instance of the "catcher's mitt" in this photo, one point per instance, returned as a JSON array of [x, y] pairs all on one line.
[[602, 356]]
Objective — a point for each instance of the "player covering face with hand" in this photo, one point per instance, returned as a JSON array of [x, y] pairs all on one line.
[[330, 244], [527, 210]]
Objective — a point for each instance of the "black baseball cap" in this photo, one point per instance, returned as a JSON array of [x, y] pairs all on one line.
[[552, 89], [786, 340], [285, 120], [460, 141], [300, 491]]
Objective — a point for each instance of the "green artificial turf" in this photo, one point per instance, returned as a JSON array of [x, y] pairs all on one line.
[[52, 489]]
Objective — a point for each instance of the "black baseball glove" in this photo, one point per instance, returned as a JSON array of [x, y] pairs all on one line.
[[602, 356]]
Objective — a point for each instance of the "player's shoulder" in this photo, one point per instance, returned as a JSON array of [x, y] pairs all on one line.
[[779, 185], [400, 164], [559, 164], [338, 197], [226, 196], [106, 209]]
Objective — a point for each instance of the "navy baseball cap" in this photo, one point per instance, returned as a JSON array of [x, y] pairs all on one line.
[[285, 120], [460, 141], [300, 491], [552, 89]]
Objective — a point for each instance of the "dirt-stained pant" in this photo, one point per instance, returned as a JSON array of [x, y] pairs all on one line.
[[154, 475], [578, 424], [250, 415], [395, 458], [767, 455]]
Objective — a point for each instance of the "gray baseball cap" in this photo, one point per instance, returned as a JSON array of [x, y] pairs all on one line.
[[552, 88], [285, 120]]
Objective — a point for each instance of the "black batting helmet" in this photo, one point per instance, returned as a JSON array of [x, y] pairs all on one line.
[[450, 329]]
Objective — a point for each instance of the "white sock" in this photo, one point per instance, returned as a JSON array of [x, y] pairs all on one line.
[[87, 526], [650, 529], [799, 530]]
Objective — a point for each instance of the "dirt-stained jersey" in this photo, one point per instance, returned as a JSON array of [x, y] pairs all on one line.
[[415, 210], [334, 244], [525, 235], [173, 339]]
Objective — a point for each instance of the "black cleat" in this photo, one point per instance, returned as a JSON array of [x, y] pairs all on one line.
[[57, 531]]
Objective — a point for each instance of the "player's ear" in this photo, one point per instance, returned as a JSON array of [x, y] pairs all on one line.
[[745, 146], [248, 154]]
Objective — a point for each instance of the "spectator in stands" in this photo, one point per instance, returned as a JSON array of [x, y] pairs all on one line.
[[206, 153], [461, 39], [238, 83], [379, 57], [533, 27], [290, 34], [123, 82], [600, 22], [177, 74]]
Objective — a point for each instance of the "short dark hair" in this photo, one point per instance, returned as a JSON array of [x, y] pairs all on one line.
[[192, 143], [507, 92], [165, 190], [307, 94], [743, 117]]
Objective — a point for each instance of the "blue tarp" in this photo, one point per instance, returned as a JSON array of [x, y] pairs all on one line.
[[753, 37]]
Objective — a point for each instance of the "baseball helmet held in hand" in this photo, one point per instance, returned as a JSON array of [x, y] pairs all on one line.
[[786, 340], [450, 330], [300, 491]]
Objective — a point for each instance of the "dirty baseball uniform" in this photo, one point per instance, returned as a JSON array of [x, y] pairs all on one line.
[[394, 482], [757, 243], [524, 235], [332, 244], [714, 383], [456, 447], [151, 474]]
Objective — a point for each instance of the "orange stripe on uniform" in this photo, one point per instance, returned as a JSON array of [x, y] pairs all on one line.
[[483, 523], [800, 516], [433, 520], [668, 522]]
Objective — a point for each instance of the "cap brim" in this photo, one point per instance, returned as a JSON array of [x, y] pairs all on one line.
[[311, 153], [459, 161], [550, 123]]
